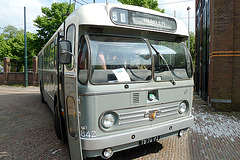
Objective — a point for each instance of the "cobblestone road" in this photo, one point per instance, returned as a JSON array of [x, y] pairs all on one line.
[[26, 132]]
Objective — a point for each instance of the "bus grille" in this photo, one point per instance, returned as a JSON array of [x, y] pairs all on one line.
[[161, 113], [135, 98]]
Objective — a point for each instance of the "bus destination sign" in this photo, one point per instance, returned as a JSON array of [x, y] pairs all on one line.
[[139, 19]]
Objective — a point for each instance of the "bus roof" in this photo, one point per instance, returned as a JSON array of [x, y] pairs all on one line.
[[99, 14]]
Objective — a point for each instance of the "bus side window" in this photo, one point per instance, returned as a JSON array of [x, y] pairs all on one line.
[[71, 37], [52, 55], [83, 61], [46, 58]]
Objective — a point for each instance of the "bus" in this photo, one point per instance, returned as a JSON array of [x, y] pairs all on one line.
[[117, 77]]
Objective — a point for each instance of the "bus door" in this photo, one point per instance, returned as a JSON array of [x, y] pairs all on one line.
[[68, 57]]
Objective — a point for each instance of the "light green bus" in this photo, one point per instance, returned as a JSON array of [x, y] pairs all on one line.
[[116, 77]]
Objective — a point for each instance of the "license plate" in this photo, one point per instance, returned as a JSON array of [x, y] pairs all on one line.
[[149, 140]]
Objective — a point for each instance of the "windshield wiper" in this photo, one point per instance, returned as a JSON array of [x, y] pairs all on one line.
[[159, 54]]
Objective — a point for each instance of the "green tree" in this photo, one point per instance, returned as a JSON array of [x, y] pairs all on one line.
[[4, 48], [151, 4], [12, 46], [51, 20], [10, 32], [192, 45]]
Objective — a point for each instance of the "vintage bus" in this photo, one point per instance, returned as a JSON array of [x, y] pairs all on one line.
[[116, 77]]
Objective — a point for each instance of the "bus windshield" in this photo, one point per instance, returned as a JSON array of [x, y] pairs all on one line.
[[119, 59], [175, 62]]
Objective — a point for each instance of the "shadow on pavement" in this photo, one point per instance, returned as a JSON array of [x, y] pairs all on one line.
[[136, 152]]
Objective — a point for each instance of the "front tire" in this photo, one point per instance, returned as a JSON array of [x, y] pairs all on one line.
[[41, 90], [59, 125]]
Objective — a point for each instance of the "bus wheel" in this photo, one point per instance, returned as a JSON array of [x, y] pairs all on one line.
[[57, 124], [41, 90]]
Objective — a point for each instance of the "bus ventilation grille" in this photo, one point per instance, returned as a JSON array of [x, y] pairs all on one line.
[[136, 98]]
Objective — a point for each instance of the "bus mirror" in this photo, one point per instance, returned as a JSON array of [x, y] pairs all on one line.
[[65, 49]]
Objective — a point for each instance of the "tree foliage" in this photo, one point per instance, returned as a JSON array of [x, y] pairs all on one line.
[[192, 45], [10, 31], [151, 4], [12, 39], [4, 48], [51, 20], [12, 46]]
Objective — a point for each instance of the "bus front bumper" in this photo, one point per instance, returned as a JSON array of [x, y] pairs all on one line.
[[140, 134]]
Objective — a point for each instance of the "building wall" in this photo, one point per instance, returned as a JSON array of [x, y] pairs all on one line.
[[202, 47], [236, 60], [224, 55]]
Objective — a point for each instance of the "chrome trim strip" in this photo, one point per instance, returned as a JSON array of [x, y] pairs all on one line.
[[145, 119], [165, 111], [148, 105], [139, 120], [70, 74], [129, 117], [143, 111], [130, 90], [48, 94], [124, 114], [166, 115], [169, 110], [167, 107]]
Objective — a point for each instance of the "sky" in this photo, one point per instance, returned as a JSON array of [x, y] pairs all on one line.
[[12, 11]]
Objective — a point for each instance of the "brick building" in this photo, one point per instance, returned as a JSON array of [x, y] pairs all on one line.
[[217, 69]]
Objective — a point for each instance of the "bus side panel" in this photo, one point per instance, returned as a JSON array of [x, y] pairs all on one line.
[[48, 88]]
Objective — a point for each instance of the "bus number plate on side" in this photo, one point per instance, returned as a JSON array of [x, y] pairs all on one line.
[[149, 140]]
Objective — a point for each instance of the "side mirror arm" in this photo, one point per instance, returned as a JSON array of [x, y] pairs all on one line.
[[67, 52]]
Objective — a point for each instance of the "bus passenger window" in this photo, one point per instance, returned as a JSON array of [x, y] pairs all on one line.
[[71, 37], [51, 55], [83, 61]]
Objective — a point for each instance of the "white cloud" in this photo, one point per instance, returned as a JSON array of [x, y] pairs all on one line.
[[12, 12]]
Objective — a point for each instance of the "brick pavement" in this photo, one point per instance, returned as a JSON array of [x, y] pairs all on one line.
[[26, 132]]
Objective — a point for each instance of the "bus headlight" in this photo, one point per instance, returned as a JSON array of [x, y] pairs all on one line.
[[183, 107], [108, 120]]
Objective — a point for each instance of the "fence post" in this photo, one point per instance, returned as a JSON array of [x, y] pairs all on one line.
[[6, 63], [35, 64]]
